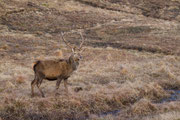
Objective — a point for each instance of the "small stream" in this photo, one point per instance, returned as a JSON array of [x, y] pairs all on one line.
[[114, 113], [175, 96]]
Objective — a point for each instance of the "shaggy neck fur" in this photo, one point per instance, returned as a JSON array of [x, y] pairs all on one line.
[[73, 63]]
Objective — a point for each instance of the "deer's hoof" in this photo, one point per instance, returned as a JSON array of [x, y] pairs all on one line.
[[77, 89], [32, 95]]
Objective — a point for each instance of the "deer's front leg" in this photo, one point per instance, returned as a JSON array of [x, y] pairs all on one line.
[[65, 85], [57, 85]]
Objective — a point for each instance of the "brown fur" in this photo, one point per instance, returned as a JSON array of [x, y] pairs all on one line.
[[54, 70]]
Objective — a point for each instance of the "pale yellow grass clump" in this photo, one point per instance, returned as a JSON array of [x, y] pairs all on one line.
[[5, 47], [10, 85], [152, 91], [59, 54], [143, 107], [20, 79], [165, 116]]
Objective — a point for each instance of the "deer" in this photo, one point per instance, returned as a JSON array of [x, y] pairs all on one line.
[[57, 69]]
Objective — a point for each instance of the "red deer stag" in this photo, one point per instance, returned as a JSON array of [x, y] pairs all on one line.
[[60, 69]]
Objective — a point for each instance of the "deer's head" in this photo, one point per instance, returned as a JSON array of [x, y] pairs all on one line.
[[76, 51]]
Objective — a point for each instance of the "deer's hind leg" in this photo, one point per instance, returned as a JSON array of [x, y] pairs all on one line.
[[40, 78], [33, 83], [38, 86]]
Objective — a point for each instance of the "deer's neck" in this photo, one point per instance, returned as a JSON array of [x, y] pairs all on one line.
[[73, 63]]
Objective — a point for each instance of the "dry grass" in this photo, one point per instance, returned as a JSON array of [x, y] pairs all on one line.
[[132, 80], [165, 116], [143, 107], [112, 79]]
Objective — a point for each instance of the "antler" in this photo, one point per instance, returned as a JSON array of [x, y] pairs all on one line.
[[82, 41], [72, 48]]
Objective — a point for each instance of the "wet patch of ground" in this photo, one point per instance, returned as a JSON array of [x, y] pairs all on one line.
[[175, 96]]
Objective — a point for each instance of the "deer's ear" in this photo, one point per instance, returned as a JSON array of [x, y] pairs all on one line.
[[73, 50]]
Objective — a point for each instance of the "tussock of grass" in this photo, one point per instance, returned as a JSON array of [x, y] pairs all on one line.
[[15, 108], [170, 84], [143, 107], [5, 47], [152, 91], [59, 54], [20, 79], [9, 85], [165, 116], [92, 103]]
